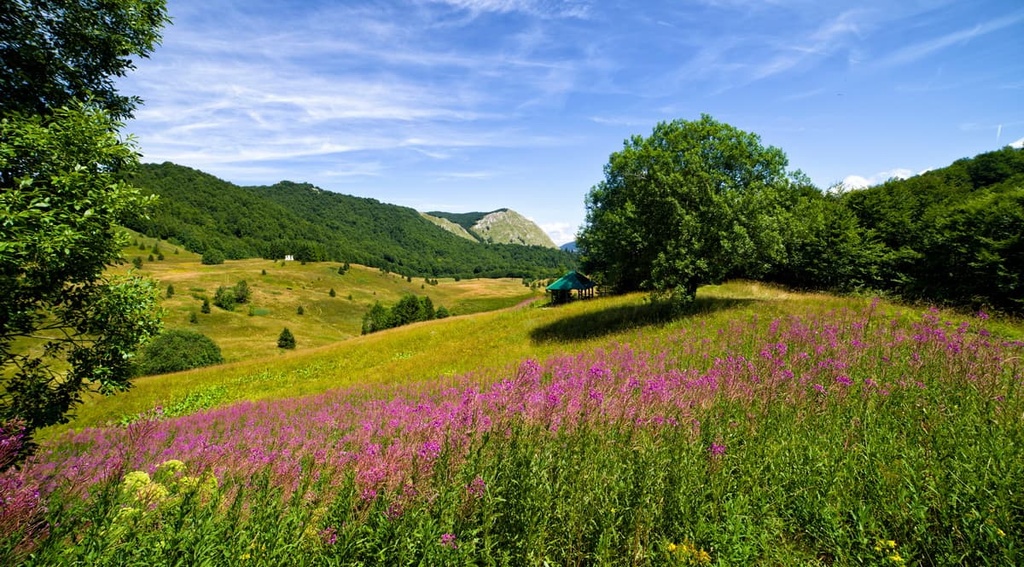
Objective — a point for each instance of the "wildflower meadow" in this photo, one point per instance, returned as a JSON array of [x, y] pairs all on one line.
[[857, 436]]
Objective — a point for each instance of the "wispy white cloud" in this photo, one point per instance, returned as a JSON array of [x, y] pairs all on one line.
[[920, 50]]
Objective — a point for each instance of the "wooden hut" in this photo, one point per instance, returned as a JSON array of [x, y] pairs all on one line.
[[561, 290]]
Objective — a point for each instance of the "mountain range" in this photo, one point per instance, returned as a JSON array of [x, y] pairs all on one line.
[[201, 213]]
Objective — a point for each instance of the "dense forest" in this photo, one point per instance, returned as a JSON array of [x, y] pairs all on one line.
[[953, 235], [201, 213]]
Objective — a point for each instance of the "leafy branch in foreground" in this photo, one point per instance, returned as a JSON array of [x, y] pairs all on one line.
[[65, 327]]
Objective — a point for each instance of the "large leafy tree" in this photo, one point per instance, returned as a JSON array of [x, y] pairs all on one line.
[[688, 205], [66, 327], [54, 52]]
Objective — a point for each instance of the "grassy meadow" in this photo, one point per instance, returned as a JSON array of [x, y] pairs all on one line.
[[757, 427], [251, 330]]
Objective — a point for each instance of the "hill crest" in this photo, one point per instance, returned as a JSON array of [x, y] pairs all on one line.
[[501, 226]]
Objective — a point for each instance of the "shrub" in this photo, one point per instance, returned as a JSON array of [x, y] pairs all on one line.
[[332, 293], [206, 305], [193, 318], [176, 350], [300, 311], [213, 257], [225, 298], [170, 291], [137, 262], [286, 339]]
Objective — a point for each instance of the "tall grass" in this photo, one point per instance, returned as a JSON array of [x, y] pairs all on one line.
[[847, 437]]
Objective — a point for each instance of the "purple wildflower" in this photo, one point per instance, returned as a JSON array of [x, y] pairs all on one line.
[[716, 450], [448, 540], [476, 487]]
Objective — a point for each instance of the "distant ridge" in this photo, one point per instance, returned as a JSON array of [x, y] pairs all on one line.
[[201, 212], [503, 226], [568, 247]]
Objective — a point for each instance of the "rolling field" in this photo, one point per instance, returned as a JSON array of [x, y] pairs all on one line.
[[277, 295], [756, 427]]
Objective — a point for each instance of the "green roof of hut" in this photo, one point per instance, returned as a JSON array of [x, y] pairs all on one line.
[[572, 280]]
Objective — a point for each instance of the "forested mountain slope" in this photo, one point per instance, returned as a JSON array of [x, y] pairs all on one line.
[[202, 212]]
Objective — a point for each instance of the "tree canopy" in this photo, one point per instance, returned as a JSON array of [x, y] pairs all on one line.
[[64, 325], [686, 206], [56, 52]]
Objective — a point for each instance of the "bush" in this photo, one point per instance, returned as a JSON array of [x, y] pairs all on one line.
[[225, 298], [206, 305], [170, 291], [286, 339], [176, 350], [213, 257]]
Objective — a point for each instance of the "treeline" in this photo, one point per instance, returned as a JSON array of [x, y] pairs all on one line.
[[202, 213], [951, 235], [409, 309]]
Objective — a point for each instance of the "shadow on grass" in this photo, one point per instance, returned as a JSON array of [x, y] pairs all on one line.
[[625, 317]]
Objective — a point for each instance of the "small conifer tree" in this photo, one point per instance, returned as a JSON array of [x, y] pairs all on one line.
[[332, 293], [206, 305], [170, 290], [193, 318], [286, 339], [137, 262], [300, 311]]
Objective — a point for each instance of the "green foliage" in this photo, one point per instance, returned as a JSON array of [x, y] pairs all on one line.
[[60, 198], [206, 305], [300, 311], [193, 318], [684, 207], [212, 257], [228, 297], [225, 298], [137, 262], [56, 52], [332, 293], [409, 309], [442, 313], [286, 340], [176, 350], [949, 235], [170, 291], [204, 213]]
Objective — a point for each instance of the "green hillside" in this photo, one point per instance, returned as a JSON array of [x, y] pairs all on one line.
[[280, 288], [201, 212]]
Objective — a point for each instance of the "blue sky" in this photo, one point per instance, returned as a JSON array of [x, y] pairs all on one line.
[[475, 105]]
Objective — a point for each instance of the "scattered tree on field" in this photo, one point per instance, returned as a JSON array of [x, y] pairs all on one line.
[[286, 339], [212, 257], [683, 207], [176, 350]]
